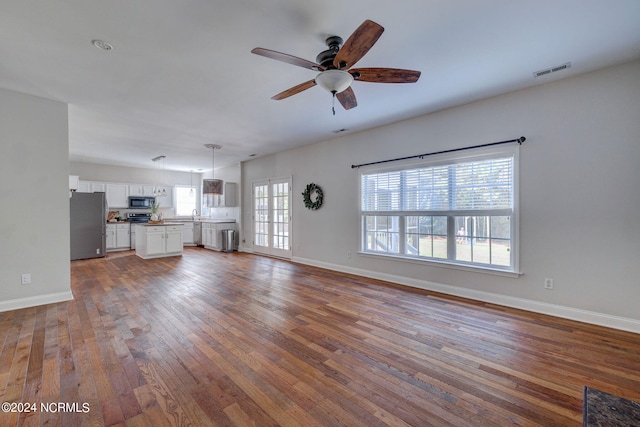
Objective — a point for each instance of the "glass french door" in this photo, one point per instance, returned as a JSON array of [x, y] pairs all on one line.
[[272, 217]]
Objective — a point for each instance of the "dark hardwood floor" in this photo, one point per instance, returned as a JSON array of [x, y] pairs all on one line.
[[237, 340]]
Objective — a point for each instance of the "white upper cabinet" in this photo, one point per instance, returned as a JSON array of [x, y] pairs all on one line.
[[230, 199], [74, 181], [91, 187], [118, 195], [140, 190]]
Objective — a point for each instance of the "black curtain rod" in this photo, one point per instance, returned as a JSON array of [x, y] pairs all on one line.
[[518, 140]]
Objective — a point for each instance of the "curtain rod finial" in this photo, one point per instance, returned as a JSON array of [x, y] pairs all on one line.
[[521, 139]]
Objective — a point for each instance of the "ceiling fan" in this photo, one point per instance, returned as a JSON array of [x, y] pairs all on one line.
[[334, 64]]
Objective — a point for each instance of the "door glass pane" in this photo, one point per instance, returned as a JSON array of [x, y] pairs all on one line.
[[261, 215], [280, 198]]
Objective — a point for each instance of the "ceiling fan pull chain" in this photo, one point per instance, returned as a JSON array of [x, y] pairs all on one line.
[[333, 103]]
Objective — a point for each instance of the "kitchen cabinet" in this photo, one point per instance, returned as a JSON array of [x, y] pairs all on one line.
[[206, 234], [188, 236], [118, 237], [155, 241], [91, 187], [74, 181], [111, 237], [117, 195], [140, 190], [230, 199], [212, 234]]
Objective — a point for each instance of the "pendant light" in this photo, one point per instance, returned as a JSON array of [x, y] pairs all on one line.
[[212, 187], [191, 182], [156, 191]]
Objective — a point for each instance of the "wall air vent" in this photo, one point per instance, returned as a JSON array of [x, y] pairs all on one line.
[[552, 70]]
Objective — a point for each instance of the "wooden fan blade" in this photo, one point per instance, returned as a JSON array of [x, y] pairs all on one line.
[[385, 75], [358, 44], [347, 98], [289, 59], [296, 89]]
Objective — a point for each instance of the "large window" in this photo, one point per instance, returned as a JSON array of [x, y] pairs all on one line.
[[457, 210], [185, 200]]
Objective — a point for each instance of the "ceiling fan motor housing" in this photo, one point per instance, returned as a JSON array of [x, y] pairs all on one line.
[[325, 58]]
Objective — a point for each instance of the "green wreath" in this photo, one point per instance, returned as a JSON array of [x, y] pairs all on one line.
[[308, 194]]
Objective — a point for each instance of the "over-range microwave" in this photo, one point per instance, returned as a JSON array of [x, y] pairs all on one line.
[[140, 202]]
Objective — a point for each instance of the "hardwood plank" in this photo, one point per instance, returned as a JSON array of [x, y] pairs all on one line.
[[231, 339]]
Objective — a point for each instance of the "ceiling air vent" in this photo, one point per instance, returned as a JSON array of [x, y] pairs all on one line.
[[552, 70]]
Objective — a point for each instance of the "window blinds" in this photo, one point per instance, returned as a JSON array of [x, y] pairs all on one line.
[[485, 184]]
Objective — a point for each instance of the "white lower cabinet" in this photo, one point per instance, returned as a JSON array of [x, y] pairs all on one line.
[[188, 238], [212, 234], [155, 241], [208, 235], [118, 237], [111, 237]]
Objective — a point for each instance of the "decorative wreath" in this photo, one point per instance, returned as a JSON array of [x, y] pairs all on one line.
[[308, 194]]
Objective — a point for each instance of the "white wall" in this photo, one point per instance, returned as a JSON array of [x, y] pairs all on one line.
[[34, 200], [579, 197]]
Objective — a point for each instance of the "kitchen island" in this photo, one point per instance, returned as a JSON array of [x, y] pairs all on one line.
[[159, 240]]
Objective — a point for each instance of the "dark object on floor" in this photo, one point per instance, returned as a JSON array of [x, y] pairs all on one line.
[[601, 409]]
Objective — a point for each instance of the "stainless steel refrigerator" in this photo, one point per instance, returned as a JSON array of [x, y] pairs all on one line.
[[88, 225]]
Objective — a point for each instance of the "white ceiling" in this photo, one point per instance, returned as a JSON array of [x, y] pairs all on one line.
[[181, 74]]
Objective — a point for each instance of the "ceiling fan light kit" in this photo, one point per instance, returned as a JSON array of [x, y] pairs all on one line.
[[334, 81], [334, 65]]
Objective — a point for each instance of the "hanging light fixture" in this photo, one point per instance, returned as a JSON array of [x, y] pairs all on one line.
[[212, 187], [191, 182], [164, 190], [157, 192]]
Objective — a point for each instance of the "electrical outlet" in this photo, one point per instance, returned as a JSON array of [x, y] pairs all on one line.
[[97, 251], [548, 283], [348, 254], [26, 278]]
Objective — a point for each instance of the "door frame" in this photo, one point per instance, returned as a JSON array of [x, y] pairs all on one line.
[[269, 249]]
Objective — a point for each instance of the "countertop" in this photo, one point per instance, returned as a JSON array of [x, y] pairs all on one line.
[[180, 221], [209, 220], [159, 224]]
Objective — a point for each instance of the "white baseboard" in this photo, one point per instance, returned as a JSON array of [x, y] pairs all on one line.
[[592, 317], [16, 304]]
